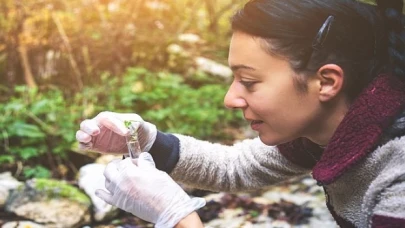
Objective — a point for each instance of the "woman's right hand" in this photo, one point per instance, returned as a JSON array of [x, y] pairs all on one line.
[[136, 186], [106, 133]]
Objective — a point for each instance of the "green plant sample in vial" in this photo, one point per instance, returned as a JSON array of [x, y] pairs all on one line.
[[134, 149]]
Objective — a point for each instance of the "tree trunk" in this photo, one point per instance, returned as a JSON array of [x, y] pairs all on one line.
[[28, 76]]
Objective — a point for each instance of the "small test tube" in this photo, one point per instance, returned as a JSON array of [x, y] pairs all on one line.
[[134, 149]]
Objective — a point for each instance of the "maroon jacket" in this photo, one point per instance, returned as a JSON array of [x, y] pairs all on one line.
[[374, 119]]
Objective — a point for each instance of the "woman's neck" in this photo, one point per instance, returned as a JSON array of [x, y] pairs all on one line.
[[328, 122]]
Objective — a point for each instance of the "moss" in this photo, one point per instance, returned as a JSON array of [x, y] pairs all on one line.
[[55, 188]]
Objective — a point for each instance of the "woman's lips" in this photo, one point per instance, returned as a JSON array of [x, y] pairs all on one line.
[[255, 124]]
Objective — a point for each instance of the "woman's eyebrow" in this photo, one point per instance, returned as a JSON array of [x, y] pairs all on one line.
[[241, 66]]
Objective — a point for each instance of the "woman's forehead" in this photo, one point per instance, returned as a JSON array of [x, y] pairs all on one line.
[[244, 48], [250, 52]]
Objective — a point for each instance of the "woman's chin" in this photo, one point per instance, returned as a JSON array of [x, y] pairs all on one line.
[[272, 141]]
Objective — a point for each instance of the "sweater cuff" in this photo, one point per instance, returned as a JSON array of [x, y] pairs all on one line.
[[165, 151]]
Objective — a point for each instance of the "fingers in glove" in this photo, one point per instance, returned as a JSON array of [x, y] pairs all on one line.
[[111, 171], [90, 127], [109, 121], [110, 186], [86, 146], [83, 137], [106, 196], [145, 160]]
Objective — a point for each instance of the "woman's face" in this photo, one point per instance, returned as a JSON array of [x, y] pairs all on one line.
[[263, 88]]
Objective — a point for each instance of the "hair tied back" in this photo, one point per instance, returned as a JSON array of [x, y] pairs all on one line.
[[391, 10]]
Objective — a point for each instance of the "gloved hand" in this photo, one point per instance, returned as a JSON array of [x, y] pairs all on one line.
[[106, 133], [136, 186]]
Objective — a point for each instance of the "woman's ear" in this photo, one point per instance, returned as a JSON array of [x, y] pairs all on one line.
[[331, 78]]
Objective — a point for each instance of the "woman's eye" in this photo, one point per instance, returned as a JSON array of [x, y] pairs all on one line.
[[247, 84]]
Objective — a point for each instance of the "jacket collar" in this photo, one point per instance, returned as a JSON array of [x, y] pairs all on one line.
[[360, 131]]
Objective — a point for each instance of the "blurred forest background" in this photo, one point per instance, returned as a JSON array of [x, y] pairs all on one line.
[[62, 61]]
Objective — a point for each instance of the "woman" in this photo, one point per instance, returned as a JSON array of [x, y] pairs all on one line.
[[321, 81]]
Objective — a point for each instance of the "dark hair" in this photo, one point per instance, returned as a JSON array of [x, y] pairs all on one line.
[[364, 40]]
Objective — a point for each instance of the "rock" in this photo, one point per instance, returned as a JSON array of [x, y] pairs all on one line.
[[7, 183], [91, 178], [50, 202], [214, 68], [189, 38], [22, 224]]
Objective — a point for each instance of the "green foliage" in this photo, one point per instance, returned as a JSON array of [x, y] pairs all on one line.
[[36, 124], [4, 159], [174, 106], [37, 171], [80, 54]]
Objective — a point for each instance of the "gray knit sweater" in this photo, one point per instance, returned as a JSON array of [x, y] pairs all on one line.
[[362, 169], [247, 165], [375, 186]]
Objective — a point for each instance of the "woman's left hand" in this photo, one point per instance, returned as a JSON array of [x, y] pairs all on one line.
[[136, 186]]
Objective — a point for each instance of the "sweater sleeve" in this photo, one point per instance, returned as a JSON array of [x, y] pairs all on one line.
[[247, 165]]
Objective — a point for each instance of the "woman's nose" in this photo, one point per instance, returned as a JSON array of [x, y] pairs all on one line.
[[233, 98]]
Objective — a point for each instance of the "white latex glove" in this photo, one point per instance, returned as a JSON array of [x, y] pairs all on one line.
[[106, 133], [136, 186]]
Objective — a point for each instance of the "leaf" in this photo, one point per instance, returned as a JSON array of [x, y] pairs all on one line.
[[254, 213], [4, 159], [51, 117], [40, 107], [25, 130], [36, 172], [20, 89], [15, 107], [28, 152]]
